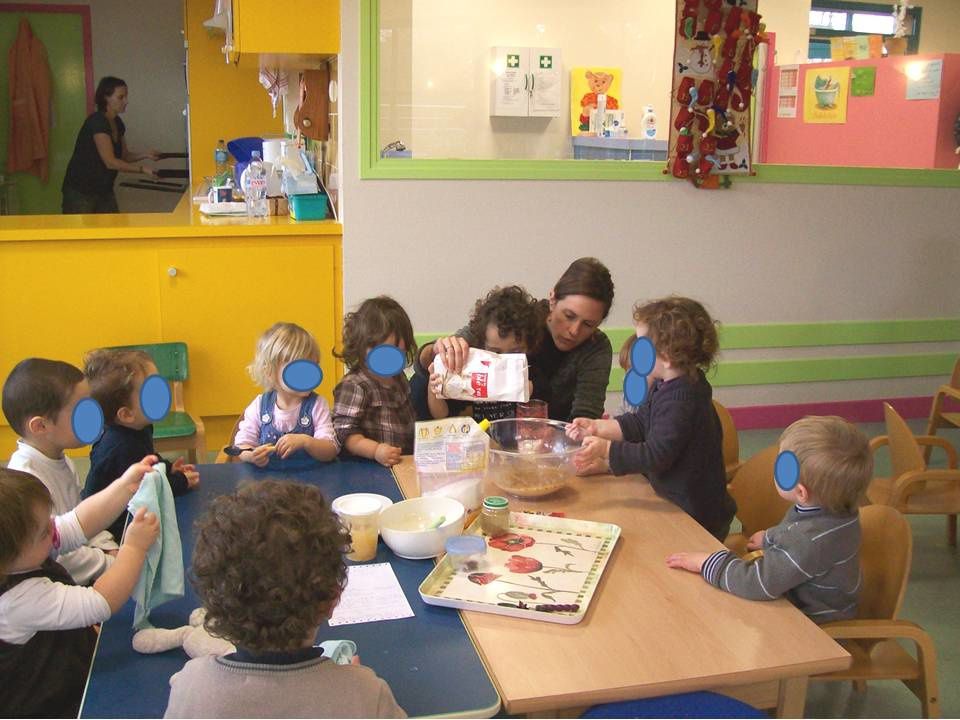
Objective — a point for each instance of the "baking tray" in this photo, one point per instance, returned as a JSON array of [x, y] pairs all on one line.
[[543, 561]]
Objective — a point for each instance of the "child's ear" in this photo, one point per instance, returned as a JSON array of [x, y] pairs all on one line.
[[125, 415], [36, 425], [803, 493]]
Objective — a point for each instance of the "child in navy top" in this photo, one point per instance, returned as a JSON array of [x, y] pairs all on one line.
[[284, 428]]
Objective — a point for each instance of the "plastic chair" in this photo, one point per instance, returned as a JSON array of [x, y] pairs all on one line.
[[179, 430], [885, 554], [939, 418], [759, 505], [915, 488], [685, 705], [731, 442]]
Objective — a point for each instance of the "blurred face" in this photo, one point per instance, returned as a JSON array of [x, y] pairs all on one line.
[[39, 545], [282, 386], [135, 416], [660, 365], [509, 344], [59, 433], [573, 319], [117, 103]]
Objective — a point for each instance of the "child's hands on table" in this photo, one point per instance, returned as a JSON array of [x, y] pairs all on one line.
[[581, 427], [688, 561], [189, 471], [259, 456], [756, 540], [387, 455], [288, 444], [593, 456]]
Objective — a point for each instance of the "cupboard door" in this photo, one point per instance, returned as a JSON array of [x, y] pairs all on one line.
[[220, 299], [311, 27], [510, 82]]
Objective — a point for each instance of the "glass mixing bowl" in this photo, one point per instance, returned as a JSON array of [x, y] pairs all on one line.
[[530, 457]]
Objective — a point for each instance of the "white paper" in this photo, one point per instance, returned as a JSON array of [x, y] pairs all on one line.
[[373, 593], [923, 80]]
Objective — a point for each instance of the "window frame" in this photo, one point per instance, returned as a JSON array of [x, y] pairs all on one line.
[[851, 8]]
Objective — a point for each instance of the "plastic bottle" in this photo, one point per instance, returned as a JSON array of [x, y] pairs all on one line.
[[222, 172], [255, 191], [649, 122], [601, 114]]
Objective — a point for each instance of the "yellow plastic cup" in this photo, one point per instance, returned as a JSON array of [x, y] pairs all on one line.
[[361, 515]]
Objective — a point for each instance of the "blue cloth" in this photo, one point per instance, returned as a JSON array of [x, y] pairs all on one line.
[[299, 460], [684, 705], [161, 578]]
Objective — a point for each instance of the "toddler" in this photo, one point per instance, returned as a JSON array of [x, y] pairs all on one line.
[[812, 556], [39, 397], [674, 437], [285, 429], [116, 378], [373, 415], [46, 633], [268, 567]]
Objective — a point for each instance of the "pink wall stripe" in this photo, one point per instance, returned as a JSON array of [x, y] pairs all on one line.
[[862, 411]]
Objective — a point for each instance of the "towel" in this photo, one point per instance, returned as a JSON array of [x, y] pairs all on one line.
[[161, 579], [31, 96], [275, 82]]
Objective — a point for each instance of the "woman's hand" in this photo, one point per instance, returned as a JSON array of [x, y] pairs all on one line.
[[453, 350]]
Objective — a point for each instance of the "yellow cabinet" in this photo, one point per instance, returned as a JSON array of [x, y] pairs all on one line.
[[309, 27]]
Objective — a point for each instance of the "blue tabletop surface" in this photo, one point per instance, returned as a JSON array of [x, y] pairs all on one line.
[[428, 660]]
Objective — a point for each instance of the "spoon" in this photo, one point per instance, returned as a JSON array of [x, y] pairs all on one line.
[[437, 523]]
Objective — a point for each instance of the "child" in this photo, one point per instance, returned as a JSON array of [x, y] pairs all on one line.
[[285, 429], [812, 556], [507, 320], [373, 415], [38, 400], [116, 378], [46, 633], [268, 567], [674, 437]]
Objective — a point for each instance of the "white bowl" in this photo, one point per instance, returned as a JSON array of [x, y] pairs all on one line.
[[406, 526]]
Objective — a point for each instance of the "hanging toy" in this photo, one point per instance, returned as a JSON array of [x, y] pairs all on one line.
[[688, 19]]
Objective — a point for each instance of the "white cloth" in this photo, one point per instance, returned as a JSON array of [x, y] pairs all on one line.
[[60, 477], [275, 82], [41, 604]]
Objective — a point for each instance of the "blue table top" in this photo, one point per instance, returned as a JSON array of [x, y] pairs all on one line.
[[428, 660]]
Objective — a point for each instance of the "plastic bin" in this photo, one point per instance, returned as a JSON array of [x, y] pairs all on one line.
[[602, 148], [308, 207]]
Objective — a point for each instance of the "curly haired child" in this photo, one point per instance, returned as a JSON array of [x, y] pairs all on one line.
[[674, 437], [268, 566]]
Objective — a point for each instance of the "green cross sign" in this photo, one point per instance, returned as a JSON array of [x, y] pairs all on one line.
[[546, 61], [513, 61]]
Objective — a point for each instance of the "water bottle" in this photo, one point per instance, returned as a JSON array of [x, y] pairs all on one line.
[[649, 123], [222, 173], [255, 191]]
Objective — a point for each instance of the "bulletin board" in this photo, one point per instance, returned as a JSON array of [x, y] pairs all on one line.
[[713, 80]]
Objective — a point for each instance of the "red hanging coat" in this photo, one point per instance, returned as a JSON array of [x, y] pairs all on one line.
[[30, 95]]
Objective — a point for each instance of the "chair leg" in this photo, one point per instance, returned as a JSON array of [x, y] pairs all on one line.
[[926, 687], [860, 686], [952, 530], [932, 424]]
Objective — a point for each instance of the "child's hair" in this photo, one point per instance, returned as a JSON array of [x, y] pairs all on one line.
[[113, 375], [836, 465], [37, 387], [280, 344], [625, 360], [586, 276], [514, 311], [20, 494], [268, 564], [370, 325], [681, 330]]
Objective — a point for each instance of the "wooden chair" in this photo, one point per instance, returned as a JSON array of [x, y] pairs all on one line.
[[759, 505], [885, 554], [939, 418], [915, 488], [731, 443], [179, 430]]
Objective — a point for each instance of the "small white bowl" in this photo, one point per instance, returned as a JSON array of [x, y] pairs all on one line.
[[406, 526]]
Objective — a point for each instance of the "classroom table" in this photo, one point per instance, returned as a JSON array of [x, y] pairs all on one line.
[[428, 660], [649, 630]]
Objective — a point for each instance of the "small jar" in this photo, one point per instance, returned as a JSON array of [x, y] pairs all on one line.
[[495, 516], [466, 553]]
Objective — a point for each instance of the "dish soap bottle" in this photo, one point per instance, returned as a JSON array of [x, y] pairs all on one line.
[[222, 172], [649, 123]]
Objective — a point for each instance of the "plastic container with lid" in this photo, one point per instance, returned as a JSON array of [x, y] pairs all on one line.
[[495, 516], [466, 553]]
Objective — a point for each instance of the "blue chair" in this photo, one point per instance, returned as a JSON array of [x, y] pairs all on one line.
[[684, 705]]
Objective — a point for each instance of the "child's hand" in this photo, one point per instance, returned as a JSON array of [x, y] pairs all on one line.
[[453, 350], [288, 444], [756, 540], [130, 480], [688, 561], [142, 530], [435, 384], [189, 471], [581, 428], [259, 456], [594, 449], [387, 455]]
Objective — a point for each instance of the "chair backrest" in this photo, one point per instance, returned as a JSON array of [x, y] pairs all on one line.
[[905, 452], [955, 378], [886, 549], [731, 443], [170, 358], [759, 505]]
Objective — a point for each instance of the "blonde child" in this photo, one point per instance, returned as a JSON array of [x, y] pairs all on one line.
[[812, 556], [268, 567], [283, 428], [39, 397], [373, 415], [674, 437], [46, 633], [116, 378]]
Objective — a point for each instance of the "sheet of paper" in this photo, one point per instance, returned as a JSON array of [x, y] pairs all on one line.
[[373, 593]]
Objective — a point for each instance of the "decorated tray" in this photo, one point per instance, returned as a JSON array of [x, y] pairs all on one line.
[[546, 568]]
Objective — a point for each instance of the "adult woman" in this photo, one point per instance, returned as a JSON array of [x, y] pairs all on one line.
[[100, 152], [575, 357]]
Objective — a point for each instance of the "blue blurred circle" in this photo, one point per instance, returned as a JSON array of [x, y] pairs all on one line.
[[386, 360], [635, 388], [786, 471], [155, 398], [302, 375], [643, 356], [87, 420]]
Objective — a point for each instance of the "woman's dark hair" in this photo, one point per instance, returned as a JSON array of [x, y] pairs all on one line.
[[106, 88], [514, 311], [268, 564], [586, 276], [370, 325]]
